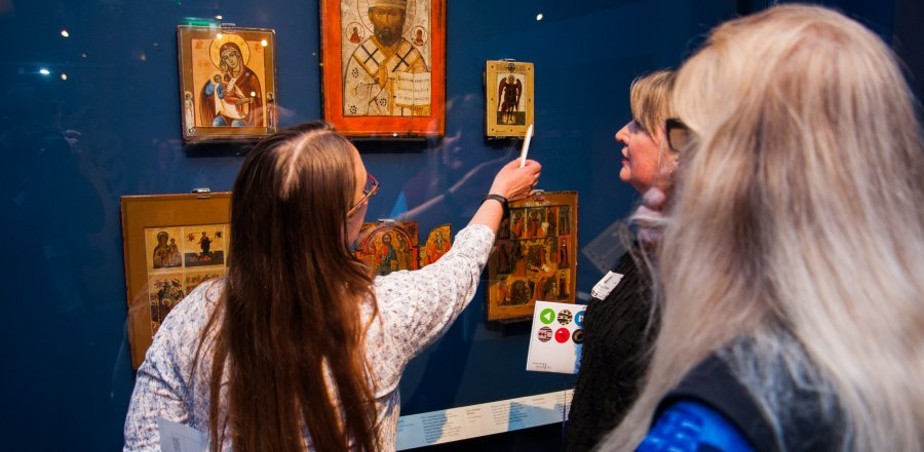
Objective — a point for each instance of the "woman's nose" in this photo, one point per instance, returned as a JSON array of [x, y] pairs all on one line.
[[622, 135]]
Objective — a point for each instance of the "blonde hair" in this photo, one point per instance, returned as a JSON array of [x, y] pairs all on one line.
[[651, 105], [650, 101], [797, 228]]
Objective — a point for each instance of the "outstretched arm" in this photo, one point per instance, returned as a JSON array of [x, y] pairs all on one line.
[[513, 183]]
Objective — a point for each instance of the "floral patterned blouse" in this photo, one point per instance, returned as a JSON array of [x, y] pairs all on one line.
[[415, 308]]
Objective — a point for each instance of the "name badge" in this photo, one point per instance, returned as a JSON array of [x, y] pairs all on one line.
[[606, 285]]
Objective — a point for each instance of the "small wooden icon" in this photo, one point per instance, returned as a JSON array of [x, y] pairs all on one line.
[[509, 104], [227, 82], [388, 246]]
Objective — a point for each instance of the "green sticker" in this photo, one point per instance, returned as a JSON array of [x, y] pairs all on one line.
[[547, 316]]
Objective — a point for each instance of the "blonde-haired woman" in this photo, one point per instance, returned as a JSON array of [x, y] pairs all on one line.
[[792, 264], [618, 325]]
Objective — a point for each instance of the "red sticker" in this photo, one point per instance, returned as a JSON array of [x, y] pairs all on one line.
[[562, 335]]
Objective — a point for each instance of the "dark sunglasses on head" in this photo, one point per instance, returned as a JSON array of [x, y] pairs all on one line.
[[679, 135], [371, 188]]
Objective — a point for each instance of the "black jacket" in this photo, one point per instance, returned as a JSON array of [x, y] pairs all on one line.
[[614, 357]]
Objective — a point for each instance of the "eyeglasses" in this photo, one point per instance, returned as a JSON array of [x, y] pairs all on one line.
[[679, 136], [371, 188]]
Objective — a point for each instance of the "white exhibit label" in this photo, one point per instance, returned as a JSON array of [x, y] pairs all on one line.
[[425, 429], [454, 424]]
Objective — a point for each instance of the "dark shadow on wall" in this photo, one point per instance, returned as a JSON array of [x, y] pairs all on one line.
[[908, 43]]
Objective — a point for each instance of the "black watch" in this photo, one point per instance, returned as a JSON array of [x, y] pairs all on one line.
[[501, 200]]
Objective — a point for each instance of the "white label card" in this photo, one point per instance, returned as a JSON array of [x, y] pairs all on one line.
[[557, 337], [176, 437], [606, 285]]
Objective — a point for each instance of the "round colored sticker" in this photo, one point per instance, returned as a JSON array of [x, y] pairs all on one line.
[[578, 336], [562, 335], [564, 317], [545, 333], [579, 319], [547, 316]]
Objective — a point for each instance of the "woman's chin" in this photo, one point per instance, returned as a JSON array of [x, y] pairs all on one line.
[[625, 175]]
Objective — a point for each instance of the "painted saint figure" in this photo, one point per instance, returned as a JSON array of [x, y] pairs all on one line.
[[169, 293], [564, 220], [522, 293], [404, 253], [563, 256], [437, 248], [270, 111], [205, 244], [161, 255], [385, 74], [174, 259], [188, 114], [233, 97], [518, 226], [389, 256], [534, 219], [508, 95], [504, 291]]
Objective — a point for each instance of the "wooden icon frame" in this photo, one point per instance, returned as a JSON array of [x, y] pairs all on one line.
[[402, 250], [144, 218], [534, 256], [500, 123], [213, 104]]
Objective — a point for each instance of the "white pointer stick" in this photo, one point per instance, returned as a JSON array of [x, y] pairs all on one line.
[[525, 150]]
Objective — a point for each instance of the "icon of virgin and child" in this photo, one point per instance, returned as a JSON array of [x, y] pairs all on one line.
[[233, 95]]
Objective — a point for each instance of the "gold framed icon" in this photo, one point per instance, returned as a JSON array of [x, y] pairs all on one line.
[[227, 82], [171, 244], [509, 105], [534, 256]]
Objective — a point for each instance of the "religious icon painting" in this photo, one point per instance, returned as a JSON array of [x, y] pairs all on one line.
[[509, 98], [436, 246], [204, 245], [227, 82], [194, 278], [387, 246], [179, 259], [173, 243], [165, 249], [534, 256], [384, 67], [164, 292]]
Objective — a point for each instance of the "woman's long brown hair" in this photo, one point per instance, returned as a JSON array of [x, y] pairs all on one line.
[[289, 320]]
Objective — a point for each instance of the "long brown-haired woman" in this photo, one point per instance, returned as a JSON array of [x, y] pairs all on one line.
[[299, 347]]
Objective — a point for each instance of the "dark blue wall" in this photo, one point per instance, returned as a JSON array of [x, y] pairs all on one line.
[[71, 148]]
